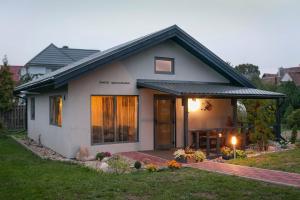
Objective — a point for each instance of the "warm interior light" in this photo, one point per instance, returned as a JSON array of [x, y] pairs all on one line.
[[233, 140], [193, 104], [220, 134]]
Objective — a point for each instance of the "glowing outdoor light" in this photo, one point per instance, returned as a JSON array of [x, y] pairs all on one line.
[[193, 104], [233, 142]]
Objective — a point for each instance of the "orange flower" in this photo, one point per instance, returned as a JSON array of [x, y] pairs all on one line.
[[173, 164]]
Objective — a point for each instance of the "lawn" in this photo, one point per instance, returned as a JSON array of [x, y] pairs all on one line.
[[288, 161], [25, 176]]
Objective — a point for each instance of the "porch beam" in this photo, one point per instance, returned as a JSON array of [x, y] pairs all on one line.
[[185, 121], [234, 112]]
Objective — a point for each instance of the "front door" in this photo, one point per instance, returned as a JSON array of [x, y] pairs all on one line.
[[164, 111]]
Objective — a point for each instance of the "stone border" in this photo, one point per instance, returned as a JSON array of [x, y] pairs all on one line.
[[55, 156]]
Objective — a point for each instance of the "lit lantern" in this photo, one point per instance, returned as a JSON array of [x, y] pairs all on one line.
[[233, 142], [193, 104]]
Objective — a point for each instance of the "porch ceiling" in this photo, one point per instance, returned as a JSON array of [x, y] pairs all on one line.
[[209, 90]]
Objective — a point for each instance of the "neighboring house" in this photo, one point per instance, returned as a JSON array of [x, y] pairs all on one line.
[[53, 58], [146, 94], [271, 79], [283, 75], [16, 72]]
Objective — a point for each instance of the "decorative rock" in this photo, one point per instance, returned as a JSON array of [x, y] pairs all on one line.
[[105, 159], [104, 167], [83, 154]]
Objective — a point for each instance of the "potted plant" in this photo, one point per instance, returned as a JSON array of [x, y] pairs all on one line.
[[226, 153], [180, 156], [189, 154]]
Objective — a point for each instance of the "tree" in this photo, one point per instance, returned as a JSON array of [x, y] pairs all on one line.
[[6, 86], [293, 120], [261, 115], [250, 71]]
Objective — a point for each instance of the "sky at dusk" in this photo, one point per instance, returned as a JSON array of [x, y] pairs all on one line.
[[265, 33]]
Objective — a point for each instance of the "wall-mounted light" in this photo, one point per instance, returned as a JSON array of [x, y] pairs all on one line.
[[193, 104]]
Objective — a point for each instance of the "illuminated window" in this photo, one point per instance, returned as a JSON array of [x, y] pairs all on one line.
[[114, 119], [56, 110], [164, 65]]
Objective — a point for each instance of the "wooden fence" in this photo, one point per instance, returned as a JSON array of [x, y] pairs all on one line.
[[14, 118]]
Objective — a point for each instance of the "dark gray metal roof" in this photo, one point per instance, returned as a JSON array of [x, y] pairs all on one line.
[[78, 54], [191, 88], [61, 76], [59, 57]]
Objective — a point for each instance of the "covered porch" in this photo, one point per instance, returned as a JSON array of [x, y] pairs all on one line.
[[203, 115]]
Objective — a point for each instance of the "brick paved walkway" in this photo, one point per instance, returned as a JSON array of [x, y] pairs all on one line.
[[271, 176]]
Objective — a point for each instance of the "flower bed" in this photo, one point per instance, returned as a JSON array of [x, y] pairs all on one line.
[[189, 155]]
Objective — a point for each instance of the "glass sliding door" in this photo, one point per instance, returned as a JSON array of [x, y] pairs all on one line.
[[114, 119]]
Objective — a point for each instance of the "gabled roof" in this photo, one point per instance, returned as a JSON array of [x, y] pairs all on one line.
[[295, 77], [208, 90], [61, 76], [58, 57]]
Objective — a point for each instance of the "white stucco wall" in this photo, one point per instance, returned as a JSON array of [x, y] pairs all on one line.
[[51, 136], [37, 70], [76, 130]]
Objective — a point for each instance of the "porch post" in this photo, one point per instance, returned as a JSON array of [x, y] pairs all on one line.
[[234, 112], [278, 120], [185, 121]]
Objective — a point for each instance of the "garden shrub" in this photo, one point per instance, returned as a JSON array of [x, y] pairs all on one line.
[[294, 135], [137, 165], [101, 155], [118, 164], [151, 168], [293, 120], [240, 154], [199, 156]]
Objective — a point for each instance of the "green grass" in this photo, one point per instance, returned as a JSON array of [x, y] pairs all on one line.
[[288, 161], [25, 176]]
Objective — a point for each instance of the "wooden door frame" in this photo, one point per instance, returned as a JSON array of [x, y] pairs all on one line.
[[155, 98]]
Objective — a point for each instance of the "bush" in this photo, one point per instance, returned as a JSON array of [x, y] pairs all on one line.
[[199, 156], [294, 135], [100, 156], [118, 164], [151, 168], [173, 165], [137, 165], [283, 144], [240, 154], [226, 151], [293, 120]]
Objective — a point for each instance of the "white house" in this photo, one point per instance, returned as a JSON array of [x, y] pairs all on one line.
[[147, 94]]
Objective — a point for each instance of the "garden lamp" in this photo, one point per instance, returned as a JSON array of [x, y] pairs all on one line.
[[233, 142]]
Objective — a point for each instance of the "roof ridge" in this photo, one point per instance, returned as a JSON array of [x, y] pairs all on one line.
[[78, 49], [51, 44], [59, 49]]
